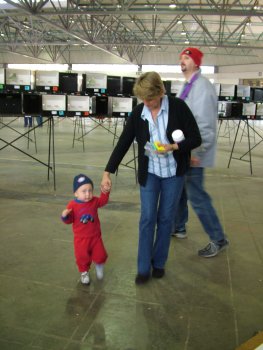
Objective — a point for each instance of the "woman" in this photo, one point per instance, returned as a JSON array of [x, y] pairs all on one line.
[[160, 173]]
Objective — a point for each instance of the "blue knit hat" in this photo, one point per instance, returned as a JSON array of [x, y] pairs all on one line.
[[80, 180]]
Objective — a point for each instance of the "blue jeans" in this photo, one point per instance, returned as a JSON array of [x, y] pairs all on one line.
[[159, 198], [28, 121], [181, 217], [202, 205]]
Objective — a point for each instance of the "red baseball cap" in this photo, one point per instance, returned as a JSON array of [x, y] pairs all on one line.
[[194, 53]]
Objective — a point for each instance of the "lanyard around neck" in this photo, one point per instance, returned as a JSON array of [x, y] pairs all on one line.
[[188, 87]]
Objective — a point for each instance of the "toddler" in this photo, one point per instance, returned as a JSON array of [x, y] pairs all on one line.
[[82, 213]]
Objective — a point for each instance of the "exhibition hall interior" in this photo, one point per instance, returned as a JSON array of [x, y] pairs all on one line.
[[67, 71]]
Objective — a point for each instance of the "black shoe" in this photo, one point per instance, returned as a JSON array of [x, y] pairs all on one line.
[[141, 279], [158, 273]]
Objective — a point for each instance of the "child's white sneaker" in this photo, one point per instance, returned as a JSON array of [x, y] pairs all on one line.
[[84, 277], [99, 271]]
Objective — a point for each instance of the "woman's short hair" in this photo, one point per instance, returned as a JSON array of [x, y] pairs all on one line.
[[148, 86]]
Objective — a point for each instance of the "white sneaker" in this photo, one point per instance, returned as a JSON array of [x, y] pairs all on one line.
[[99, 271], [84, 277]]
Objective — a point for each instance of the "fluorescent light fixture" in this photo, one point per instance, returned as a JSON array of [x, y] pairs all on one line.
[[173, 69], [46, 67], [112, 68]]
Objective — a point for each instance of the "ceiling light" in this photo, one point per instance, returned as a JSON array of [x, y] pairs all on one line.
[[183, 33], [172, 6]]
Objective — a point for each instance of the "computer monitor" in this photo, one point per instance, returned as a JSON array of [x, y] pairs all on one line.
[[249, 109], [47, 81], [122, 106], [101, 105], [32, 104], [10, 103], [127, 86], [2, 79], [68, 82], [257, 95], [78, 105], [95, 83], [113, 85], [227, 92], [217, 88], [18, 79], [259, 111], [167, 85], [243, 93], [54, 105]]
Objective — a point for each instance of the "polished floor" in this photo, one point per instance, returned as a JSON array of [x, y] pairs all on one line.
[[200, 304]]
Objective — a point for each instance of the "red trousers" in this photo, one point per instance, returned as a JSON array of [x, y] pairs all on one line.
[[88, 250]]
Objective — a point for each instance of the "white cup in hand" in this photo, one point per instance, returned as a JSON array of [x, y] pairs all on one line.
[[178, 136]]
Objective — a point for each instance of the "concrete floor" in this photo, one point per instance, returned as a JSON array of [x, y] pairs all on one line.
[[201, 304]]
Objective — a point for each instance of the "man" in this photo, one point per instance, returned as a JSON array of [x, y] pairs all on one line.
[[200, 96]]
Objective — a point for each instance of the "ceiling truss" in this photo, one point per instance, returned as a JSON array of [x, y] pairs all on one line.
[[61, 31]]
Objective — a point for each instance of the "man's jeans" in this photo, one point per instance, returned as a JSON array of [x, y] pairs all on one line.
[[159, 198], [202, 205]]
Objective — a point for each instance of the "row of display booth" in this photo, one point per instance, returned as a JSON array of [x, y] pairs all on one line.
[[114, 106], [65, 105]]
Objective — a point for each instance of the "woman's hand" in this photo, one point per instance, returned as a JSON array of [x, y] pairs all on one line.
[[169, 147], [105, 185]]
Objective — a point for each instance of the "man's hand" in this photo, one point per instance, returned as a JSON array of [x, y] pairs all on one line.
[[195, 162]]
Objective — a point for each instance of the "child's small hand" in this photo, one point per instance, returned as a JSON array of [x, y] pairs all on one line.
[[66, 212], [106, 189]]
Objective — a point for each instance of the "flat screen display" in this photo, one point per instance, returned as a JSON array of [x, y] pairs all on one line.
[[53, 102], [10, 104], [45, 81], [100, 105], [122, 104], [18, 77], [113, 85], [227, 91], [217, 88], [259, 109], [32, 104], [127, 85], [249, 109], [96, 81], [243, 92], [78, 103], [68, 82], [257, 95], [168, 86], [2, 76]]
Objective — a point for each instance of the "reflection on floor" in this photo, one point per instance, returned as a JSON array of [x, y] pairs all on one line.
[[201, 304]]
